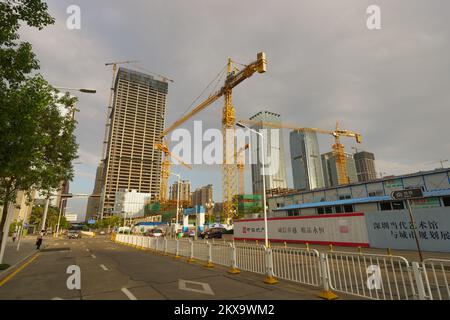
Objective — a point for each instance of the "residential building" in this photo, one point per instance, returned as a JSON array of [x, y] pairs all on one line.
[[130, 203], [201, 196], [185, 191], [136, 122], [365, 166], [330, 169], [93, 203]]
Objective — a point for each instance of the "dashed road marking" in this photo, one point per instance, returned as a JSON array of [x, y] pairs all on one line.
[[103, 267], [128, 294], [87, 250], [93, 256]]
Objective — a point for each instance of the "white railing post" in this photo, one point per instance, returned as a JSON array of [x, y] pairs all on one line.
[[419, 280], [191, 251], [325, 274], [209, 264], [165, 245], [177, 249], [233, 267], [269, 266]]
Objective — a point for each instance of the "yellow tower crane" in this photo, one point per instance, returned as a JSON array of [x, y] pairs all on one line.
[[165, 169], [234, 77], [338, 147], [240, 164]]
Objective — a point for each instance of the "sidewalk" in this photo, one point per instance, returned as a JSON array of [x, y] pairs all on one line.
[[27, 247]]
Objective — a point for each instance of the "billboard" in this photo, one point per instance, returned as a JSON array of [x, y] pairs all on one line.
[[71, 217], [337, 229], [392, 229]]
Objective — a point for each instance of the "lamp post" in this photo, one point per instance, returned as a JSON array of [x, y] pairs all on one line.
[[263, 164]]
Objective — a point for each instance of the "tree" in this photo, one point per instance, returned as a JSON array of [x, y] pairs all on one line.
[[52, 217], [37, 144]]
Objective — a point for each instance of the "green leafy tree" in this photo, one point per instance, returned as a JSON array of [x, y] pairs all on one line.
[[37, 144]]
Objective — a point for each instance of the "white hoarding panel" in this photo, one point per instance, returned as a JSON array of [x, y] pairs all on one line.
[[393, 229], [337, 229]]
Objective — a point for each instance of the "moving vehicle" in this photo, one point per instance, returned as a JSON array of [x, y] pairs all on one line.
[[154, 233], [102, 232], [74, 234], [213, 233]]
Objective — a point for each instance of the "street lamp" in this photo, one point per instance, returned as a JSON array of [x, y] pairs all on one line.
[[82, 90], [263, 164], [47, 202]]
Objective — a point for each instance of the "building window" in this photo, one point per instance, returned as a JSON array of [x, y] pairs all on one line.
[[385, 206], [320, 210], [348, 208], [446, 201], [345, 197], [338, 209], [398, 205], [328, 209]]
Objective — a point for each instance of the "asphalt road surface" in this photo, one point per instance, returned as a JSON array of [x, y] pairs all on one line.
[[116, 272]]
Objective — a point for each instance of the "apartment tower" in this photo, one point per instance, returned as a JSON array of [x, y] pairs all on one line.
[[136, 122]]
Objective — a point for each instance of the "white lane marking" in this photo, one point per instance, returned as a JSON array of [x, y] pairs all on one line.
[[188, 286], [103, 267], [87, 250], [65, 243], [128, 294], [93, 256]]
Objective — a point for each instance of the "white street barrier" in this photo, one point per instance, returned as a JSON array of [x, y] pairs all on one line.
[[372, 276], [251, 258], [184, 248], [437, 278], [221, 254], [171, 246], [200, 249], [298, 265], [380, 277]]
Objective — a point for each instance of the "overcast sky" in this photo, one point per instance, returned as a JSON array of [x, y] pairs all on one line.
[[391, 85]]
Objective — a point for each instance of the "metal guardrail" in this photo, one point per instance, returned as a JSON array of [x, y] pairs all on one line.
[[221, 254], [298, 265], [437, 278], [380, 277], [372, 276], [250, 257]]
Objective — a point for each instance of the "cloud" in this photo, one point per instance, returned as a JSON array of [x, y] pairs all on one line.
[[391, 85]]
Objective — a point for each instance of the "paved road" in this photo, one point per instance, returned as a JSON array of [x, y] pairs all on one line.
[[112, 271]]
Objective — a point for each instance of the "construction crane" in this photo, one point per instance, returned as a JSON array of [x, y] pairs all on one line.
[[234, 78], [338, 147], [240, 164], [165, 169]]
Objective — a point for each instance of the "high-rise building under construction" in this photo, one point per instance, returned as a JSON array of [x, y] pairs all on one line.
[[136, 122]]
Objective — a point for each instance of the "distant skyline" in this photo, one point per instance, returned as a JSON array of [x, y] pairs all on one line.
[[391, 85]]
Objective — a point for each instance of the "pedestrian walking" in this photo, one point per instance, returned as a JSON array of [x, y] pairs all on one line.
[[39, 240], [14, 236]]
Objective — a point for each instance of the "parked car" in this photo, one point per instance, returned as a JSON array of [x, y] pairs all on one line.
[[213, 233], [154, 233], [74, 234], [102, 232], [189, 234]]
